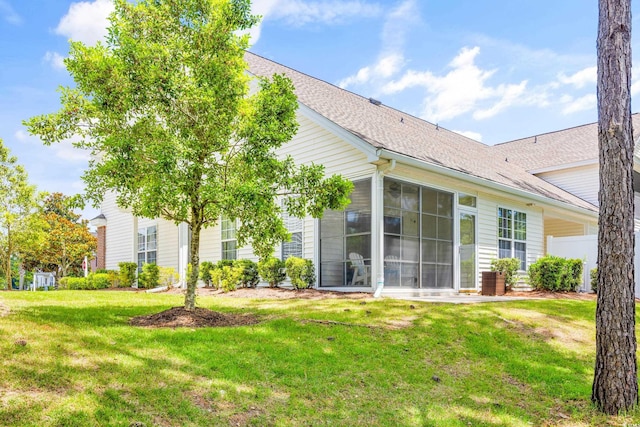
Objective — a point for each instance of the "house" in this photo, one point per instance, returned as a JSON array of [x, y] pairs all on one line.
[[430, 209], [568, 159]]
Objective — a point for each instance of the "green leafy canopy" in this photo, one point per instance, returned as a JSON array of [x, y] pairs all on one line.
[[178, 128]]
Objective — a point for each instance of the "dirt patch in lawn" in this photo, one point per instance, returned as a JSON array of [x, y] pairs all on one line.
[[553, 295], [277, 293], [180, 317], [4, 310]]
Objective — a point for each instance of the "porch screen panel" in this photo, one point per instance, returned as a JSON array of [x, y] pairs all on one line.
[[343, 233], [418, 239]]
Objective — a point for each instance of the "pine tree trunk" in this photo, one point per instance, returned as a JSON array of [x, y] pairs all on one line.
[[615, 385], [194, 252], [9, 251]]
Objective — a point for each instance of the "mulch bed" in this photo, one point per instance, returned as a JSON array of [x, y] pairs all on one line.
[[280, 293], [180, 317]]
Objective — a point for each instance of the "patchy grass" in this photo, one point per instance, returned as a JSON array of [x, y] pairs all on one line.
[[70, 358]]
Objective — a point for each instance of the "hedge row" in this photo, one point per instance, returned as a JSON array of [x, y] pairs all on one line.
[[229, 275]]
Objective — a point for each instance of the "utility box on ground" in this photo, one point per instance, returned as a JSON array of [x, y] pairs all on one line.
[[492, 283]]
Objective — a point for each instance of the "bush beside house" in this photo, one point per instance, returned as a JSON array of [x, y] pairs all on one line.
[[301, 272], [553, 273], [272, 271], [509, 268]]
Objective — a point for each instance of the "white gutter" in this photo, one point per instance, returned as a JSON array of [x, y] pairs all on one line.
[[380, 173], [484, 182]]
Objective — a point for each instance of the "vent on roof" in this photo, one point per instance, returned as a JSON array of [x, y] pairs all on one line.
[[374, 101]]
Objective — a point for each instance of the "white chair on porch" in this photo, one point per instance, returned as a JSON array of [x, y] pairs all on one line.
[[360, 269]]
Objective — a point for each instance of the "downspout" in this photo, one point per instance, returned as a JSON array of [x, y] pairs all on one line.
[[382, 171]]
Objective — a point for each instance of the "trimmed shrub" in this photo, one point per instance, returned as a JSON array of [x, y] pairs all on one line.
[[167, 276], [150, 276], [98, 281], [216, 277], [114, 278], [127, 274], [553, 273], [593, 275], [249, 277], [230, 278], [272, 271], [509, 267], [301, 272], [225, 263], [63, 283], [76, 283], [205, 272]]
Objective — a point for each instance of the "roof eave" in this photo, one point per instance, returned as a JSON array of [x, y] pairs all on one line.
[[485, 182]]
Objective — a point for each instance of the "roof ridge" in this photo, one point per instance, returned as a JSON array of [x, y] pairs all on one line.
[[382, 104], [552, 132]]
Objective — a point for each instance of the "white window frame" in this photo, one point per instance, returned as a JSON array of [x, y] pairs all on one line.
[[295, 227], [511, 234], [228, 230], [144, 246]]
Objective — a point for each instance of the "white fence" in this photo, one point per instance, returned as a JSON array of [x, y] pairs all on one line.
[[586, 248]]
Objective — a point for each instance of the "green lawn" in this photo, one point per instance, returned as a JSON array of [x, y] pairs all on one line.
[[380, 363]]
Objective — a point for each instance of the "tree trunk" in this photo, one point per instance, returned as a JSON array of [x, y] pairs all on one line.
[[194, 255], [615, 385], [9, 251]]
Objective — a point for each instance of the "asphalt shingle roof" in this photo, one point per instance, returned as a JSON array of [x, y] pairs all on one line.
[[395, 131], [555, 149]]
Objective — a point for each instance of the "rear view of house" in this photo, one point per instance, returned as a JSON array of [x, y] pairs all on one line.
[[429, 211]]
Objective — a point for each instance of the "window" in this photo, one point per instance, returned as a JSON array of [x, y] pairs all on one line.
[[147, 246], [294, 227], [228, 227], [512, 235], [466, 200]]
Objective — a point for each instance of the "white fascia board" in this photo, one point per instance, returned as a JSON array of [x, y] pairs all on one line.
[[485, 183], [554, 168], [362, 145], [98, 221]]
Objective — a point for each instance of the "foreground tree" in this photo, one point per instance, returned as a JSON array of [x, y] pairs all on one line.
[[19, 227], [615, 384], [166, 110]]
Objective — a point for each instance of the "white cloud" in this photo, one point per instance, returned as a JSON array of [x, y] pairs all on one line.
[[586, 102], [55, 59], [386, 67], [579, 79], [298, 12], [21, 135], [86, 21], [459, 91], [63, 150], [510, 94], [9, 14], [635, 87], [66, 151], [391, 58], [470, 134]]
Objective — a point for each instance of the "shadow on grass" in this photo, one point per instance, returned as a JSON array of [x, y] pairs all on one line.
[[447, 365]]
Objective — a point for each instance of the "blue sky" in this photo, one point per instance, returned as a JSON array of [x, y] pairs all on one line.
[[495, 70]]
